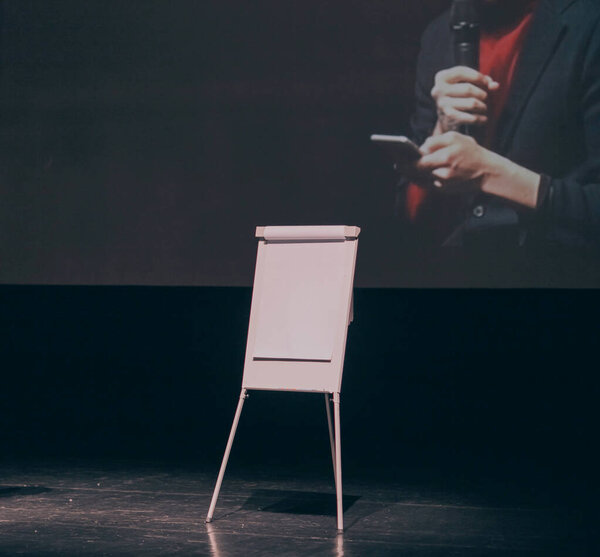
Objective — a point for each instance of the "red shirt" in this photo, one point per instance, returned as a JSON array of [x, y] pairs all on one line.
[[498, 54], [499, 51]]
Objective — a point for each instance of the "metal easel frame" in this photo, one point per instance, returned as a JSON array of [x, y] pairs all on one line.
[[322, 376], [334, 441]]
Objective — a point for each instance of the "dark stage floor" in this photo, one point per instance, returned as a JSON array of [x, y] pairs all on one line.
[[480, 444], [132, 508]]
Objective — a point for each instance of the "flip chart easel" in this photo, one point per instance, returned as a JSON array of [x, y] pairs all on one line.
[[301, 309]]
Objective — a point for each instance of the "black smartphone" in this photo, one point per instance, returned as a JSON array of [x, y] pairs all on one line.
[[402, 149]]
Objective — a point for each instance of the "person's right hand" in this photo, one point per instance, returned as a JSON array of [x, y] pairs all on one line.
[[461, 96]]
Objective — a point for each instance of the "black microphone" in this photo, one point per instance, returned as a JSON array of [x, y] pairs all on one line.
[[464, 23]]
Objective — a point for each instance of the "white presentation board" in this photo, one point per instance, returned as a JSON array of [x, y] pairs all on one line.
[[301, 306]]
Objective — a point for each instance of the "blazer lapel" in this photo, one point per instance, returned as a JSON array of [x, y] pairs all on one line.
[[544, 35]]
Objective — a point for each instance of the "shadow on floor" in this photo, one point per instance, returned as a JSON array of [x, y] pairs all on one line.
[[296, 502], [14, 491]]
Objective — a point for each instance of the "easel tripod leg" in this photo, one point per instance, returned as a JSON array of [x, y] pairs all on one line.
[[330, 425], [238, 413], [338, 463]]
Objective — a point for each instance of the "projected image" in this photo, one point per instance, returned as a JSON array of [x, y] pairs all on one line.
[[144, 141]]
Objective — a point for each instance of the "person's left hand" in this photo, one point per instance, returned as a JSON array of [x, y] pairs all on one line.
[[456, 162]]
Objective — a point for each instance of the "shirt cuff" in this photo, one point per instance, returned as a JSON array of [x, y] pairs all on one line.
[[544, 196]]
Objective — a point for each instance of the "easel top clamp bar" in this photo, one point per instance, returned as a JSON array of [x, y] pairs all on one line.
[[307, 233]]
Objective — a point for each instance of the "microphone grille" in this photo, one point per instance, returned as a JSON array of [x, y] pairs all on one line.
[[464, 12]]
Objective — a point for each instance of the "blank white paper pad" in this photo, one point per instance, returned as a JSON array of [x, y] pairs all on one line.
[[301, 300]]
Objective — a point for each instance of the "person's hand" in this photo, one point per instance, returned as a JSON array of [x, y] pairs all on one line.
[[456, 162], [461, 95]]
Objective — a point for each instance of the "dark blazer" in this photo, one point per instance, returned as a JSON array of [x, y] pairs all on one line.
[[550, 124]]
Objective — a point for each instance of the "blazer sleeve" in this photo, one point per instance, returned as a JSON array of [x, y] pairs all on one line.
[[424, 116], [571, 210]]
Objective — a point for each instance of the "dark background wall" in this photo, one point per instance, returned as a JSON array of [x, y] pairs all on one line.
[[156, 371], [475, 383]]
